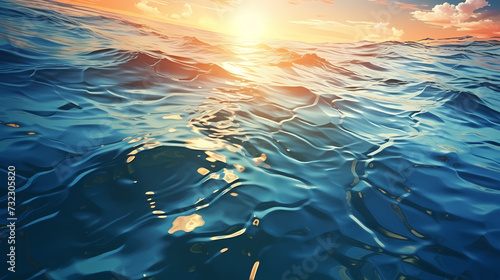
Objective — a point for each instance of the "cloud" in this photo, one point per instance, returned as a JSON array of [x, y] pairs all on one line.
[[296, 2], [377, 31], [462, 17], [450, 14], [481, 28], [382, 32], [143, 6], [380, 2], [359, 30], [187, 11], [406, 6]]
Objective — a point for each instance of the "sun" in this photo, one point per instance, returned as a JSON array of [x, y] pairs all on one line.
[[249, 25]]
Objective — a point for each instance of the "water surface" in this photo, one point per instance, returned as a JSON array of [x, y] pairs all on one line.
[[153, 151]]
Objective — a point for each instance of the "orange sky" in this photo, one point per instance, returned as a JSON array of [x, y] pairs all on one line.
[[319, 20]]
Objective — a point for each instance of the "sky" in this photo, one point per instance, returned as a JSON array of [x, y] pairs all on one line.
[[320, 20]]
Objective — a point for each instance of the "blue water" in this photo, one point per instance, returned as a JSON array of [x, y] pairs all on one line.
[[153, 151]]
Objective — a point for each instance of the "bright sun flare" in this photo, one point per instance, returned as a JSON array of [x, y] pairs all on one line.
[[249, 25]]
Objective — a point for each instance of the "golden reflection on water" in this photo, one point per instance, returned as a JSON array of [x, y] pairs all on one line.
[[186, 223], [224, 250], [130, 159], [258, 161], [214, 176], [213, 157], [203, 171], [234, 148], [172, 117], [31, 133], [229, 176], [239, 167], [234, 68], [152, 145], [204, 144], [254, 270], [238, 233], [211, 144], [12, 124], [135, 140]]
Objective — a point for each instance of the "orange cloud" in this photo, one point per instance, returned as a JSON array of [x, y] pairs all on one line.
[[380, 2], [482, 28], [407, 6]]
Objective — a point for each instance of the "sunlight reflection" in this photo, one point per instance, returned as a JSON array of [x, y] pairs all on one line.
[[258, 161], [172, 117], [239, 167], [203, 171], [213, 157], [238, 233], [254, 270], [186, 223], [229, 176]]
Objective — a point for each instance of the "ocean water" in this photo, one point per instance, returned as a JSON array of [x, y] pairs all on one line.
[[152, 151]]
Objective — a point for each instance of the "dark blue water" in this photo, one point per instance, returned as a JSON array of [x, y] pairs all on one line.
[[152, 151]]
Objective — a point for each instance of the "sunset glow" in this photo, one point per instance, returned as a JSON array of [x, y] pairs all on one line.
[[320, 20], [249, 25]]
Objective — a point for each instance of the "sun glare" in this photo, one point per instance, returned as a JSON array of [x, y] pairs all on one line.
[[249, 25]]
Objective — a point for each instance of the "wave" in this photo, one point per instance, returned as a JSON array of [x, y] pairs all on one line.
[[310, 60]]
